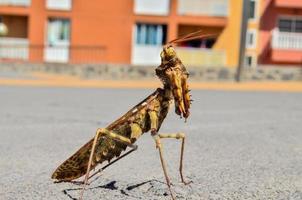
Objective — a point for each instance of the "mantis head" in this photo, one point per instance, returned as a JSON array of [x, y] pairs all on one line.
[[174, 76]]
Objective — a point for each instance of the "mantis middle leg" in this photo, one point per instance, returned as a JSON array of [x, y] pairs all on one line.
[[182, 137], [157, 137], [163, 163]]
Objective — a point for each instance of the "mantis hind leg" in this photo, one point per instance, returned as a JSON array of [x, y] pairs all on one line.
[[112, 162], [101, 132]]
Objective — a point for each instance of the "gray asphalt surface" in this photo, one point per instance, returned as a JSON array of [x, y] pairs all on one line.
[[241, 145]]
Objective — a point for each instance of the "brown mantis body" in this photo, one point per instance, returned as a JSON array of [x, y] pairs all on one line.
[[148, 115]]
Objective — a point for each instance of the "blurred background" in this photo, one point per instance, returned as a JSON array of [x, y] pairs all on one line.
[[86, 62], [256, 39]]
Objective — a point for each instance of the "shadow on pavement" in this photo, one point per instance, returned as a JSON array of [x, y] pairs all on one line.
[[111, 186]]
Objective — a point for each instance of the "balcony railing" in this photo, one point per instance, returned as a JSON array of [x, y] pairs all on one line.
[[287, 40], [196, 57], [217, 8], [58, 54], [148, 55], [14, 48], [151, 7], [22, 51], [15, 2]]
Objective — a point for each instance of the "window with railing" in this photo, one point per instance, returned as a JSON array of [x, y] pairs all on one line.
[[288, 33], [58, 34]]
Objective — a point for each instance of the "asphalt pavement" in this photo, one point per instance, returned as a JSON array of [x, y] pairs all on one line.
[[240, 145]]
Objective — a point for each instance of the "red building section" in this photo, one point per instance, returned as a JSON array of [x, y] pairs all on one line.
[[281, 32]]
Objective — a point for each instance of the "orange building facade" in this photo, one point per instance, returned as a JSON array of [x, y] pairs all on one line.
[[120, 31]]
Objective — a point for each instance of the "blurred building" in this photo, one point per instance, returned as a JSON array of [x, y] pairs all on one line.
[[133, 31], [280, 32], [274, 35]]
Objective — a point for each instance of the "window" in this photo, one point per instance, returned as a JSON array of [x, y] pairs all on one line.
[[251, 38], [290, 24], [58, 4], [250, 61], [58, 32], [151, 34], [152, 7], [57, 49], [252, 9]]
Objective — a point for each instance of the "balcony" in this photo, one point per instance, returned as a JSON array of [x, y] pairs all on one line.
[[14, 48], [217, 8], [58, 4], [287, 40], [196, 57], [146, 55], [286, 47], [153, 7], [24, 3], [289, 3]]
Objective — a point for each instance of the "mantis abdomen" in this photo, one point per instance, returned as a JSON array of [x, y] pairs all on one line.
[[131, 126]]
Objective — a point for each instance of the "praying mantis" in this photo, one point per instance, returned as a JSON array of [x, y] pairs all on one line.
[[148, 115]]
